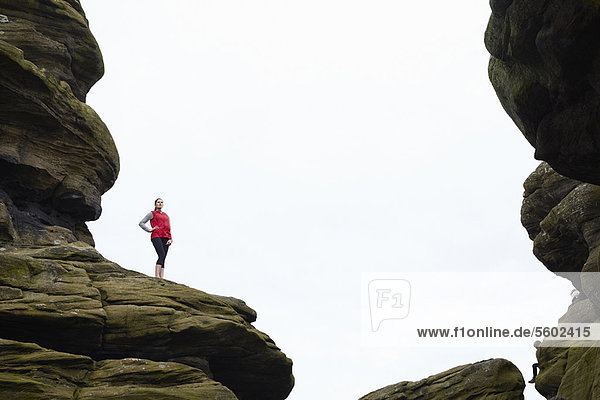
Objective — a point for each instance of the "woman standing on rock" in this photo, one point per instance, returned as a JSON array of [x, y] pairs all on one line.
[[161, 234]]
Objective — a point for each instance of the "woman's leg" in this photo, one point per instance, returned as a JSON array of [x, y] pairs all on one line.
[[166, 249], [160, 251]]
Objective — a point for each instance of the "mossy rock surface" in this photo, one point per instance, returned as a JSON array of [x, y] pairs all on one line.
[[495, 379], [57, 157], [545, 68], [105, 332], [562, 217], [70, 299], [28, 371]]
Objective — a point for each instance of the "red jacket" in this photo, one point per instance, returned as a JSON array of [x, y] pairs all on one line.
[[161, 220]]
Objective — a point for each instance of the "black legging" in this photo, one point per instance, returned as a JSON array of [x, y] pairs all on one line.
[[160, 245]]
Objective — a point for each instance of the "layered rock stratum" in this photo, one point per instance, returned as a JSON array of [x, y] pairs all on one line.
[[56, 155], [74, 325], [495, 379], [69, 299]]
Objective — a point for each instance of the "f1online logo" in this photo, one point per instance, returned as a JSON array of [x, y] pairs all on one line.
[[388, 299]]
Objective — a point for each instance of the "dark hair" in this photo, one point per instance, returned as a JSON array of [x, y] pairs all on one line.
[[157, 199]]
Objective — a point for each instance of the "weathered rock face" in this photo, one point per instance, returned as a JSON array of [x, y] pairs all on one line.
[[74, 325], [70, 299], [495, 379], [50, 374], [56, 155], [570, 372], [545, 68], [562, 217], [54, 35]]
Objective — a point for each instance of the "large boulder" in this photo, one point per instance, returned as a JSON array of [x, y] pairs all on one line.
[[545, 68], [562, 217], [495, 379], [69, 298]]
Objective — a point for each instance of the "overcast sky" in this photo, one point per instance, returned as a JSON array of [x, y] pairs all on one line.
[[299, 145]]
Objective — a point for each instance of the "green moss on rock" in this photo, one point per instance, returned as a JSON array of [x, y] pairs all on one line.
[[74, 300], [495, 379]]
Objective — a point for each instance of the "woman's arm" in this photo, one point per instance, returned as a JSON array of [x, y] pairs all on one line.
[[170, 241], [143, 222]]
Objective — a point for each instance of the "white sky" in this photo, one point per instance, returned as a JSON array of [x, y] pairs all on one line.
[[298, 145]]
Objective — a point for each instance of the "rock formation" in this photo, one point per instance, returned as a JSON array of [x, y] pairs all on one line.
[[545, 68], [70, 299], [562, 216], [56, 155], [49, 374], [74, 325], [495, 379]]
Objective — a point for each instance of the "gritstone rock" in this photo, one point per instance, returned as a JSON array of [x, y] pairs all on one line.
[[70, 299], [545, 68], [494, 379], [56, 155], [74, 325], [562, 217]]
